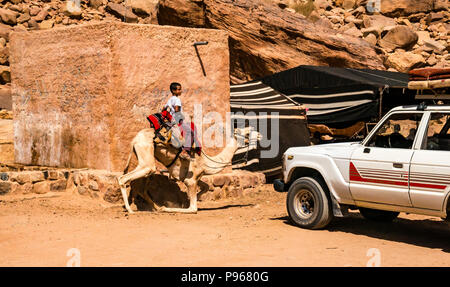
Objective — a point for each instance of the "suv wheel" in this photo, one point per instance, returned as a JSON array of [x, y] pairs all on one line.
[[308, 205], [378, 215]]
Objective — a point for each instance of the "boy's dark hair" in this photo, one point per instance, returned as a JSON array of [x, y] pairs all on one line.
[[174, 85]]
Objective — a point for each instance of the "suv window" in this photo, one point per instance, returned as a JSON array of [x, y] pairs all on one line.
[[398, 131], [438, 132]]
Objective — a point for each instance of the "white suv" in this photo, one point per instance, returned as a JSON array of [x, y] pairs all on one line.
[[403, 165]]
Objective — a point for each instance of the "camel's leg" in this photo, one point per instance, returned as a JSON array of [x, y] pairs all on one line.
[[126, 178], [192, 195], [124, 192], [149, 200], [146, 166]]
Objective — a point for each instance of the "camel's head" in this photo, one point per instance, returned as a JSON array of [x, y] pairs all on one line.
[[247, 135]]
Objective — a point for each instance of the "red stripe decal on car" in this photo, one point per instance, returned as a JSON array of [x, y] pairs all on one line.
[[355, 176]]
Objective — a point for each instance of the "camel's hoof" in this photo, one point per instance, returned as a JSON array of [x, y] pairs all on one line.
[[129, 212]]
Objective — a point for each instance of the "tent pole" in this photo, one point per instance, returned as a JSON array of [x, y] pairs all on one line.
[[381, 104]]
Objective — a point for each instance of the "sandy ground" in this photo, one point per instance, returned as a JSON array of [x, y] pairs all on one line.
[[249, 231]]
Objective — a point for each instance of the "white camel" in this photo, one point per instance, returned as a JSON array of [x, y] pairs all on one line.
[[186, 171]]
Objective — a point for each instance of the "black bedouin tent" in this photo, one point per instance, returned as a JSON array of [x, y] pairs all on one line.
[[280, 120], [339, 97], [336, 97]]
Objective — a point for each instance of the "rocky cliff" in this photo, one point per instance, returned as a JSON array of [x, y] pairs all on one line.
[[265, 39], [267, 36]]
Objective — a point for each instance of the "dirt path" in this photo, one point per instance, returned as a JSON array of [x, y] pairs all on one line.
[[250, 231]]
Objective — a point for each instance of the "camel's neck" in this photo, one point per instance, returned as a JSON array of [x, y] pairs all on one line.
[[215, 164]]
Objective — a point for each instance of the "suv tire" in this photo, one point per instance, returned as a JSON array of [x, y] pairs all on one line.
[[308, 205]]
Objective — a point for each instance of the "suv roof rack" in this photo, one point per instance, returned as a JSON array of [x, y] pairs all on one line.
[[422, 106]]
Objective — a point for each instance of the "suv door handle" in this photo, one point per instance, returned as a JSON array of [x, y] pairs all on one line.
[[366, 150], [397, 165]]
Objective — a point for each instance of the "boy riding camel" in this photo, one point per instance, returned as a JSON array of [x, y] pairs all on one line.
[[171, 115]]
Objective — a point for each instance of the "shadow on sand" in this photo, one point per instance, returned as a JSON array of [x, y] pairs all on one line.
[[420, 232]]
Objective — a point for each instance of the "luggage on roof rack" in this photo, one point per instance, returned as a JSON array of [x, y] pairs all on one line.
[[430, 83]]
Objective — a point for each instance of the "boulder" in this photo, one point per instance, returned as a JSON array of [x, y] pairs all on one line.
[[435, 46], [324, 22], [42, 15], [434, 16], [377, 21], [371, 38], [405, 61], [182, 13], [47, 24], [265, 39], [34, 10], [348, 4], [36, 176], [336, 19], [422, 35], [5, 75], [143, 8], [431, 61], [399, 37], [441, 5], [355, 32], [5, 187], [33, 24], [8, 16], [359, 11], [41, 187], [122, 12], [405, 21], [71, 9], [16, 8], [373, 30], [322, 4], [95, 3], [4, 56], [58, 185], [23, 18], [5, 30], [5, 97], [405, 7], [314, 16], [439, 28]]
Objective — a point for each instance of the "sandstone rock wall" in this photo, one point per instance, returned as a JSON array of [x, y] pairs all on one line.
[[80, 94]]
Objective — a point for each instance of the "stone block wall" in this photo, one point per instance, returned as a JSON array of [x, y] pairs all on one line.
[[102, 185], [80, 94]]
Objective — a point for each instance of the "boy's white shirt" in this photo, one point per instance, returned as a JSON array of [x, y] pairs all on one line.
[[172, 102]]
